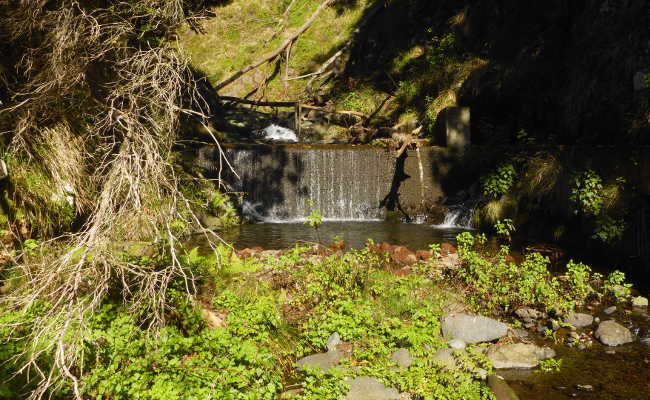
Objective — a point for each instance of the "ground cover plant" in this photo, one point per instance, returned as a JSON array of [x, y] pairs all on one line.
[[272, 309]]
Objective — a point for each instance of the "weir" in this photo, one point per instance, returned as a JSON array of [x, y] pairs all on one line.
[[283, 183]]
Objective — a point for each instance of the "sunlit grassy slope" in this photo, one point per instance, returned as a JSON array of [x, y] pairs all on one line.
[[245, 31]]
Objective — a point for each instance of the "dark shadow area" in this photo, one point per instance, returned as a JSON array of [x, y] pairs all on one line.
[[392, 200], [262, 177], [557, 72]]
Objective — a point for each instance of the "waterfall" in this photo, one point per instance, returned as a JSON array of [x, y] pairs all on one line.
[[285, 183], [458, 216]]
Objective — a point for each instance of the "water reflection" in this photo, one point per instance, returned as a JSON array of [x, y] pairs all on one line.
[[355, 234]]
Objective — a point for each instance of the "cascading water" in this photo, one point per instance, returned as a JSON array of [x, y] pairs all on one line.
[[285, 183], [458, 216]]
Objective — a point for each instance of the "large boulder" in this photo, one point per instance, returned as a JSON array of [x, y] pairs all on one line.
[[368, 388], [472, 328], [611, 333], [518, 355]]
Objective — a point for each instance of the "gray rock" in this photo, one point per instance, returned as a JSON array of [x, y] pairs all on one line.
[[529, 314], [402, 357], [612, 334], [446, 357], [322, 361], [518, 355], [519, 333], [610, 310], [501, 389], [333, 341], [639, 301], [457, 344], [368, 388], [579, 320], [646, 341], [472, 328], [481, 374]]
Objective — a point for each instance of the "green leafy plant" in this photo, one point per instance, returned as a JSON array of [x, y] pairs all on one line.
[[586, 193], [499, 182], [499, 286], [550, 365], [608, 229], [504, 229], [314, 219]]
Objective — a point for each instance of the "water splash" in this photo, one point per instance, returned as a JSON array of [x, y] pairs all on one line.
[[458, 216], [278, 133]]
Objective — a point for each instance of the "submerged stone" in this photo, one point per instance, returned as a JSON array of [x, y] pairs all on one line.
[[501, 389]]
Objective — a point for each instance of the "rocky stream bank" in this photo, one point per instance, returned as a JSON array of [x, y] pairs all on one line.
[[529, 350]]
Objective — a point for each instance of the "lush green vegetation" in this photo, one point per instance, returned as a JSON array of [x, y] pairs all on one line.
[[273, 310]]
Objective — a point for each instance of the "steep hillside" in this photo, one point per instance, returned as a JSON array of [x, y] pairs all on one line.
[[558, 72]]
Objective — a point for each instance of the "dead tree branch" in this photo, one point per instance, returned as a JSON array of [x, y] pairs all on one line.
[[271, 56]]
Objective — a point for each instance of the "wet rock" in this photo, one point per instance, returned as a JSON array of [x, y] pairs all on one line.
[[611, 333], [386, 247], [333, 341], [369, 388], [472, 328], [250, 252], [402, 357], [585, 388], [610, 310], [446, 249], [270, 253], [640, 301], [645, 341], [518, 355], [529, 314], [423, 255], [579, 320], [500, 388], [457, 344], [322, 361], [403, 255]]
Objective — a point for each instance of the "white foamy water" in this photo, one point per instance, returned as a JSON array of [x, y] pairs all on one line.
[[457, 217], [279, 134]]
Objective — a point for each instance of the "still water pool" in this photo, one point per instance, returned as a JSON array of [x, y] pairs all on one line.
[[355, 234]]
